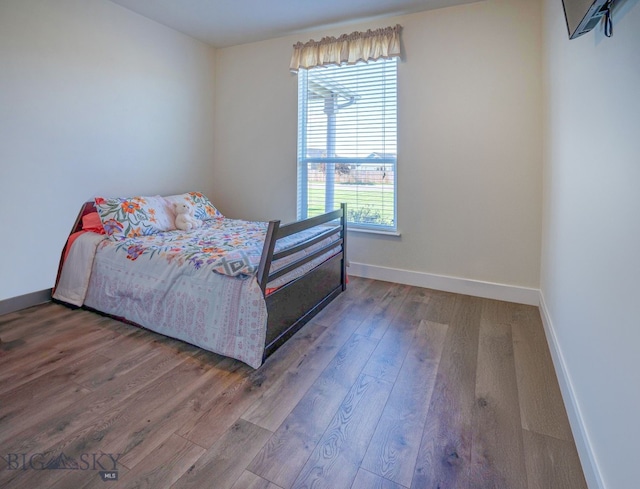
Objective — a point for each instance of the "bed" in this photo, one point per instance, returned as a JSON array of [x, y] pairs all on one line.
[[237, 288]]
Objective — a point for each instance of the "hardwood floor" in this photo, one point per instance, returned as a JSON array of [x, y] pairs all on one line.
[[389, 387]]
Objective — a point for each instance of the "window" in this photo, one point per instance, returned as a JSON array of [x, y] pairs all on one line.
[[347, 142]]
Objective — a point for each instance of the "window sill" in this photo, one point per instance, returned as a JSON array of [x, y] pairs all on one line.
[[374, 231]]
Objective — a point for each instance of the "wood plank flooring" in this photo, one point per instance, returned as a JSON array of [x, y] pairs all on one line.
[[390, 387]]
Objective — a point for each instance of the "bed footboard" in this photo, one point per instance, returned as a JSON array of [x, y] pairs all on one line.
[[291, 306]]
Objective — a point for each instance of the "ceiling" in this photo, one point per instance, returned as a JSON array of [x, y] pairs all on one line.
[[229, 22]]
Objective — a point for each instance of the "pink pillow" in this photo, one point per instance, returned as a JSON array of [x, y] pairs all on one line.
[[92, 222]]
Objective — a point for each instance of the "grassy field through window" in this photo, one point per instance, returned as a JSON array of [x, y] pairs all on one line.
[[379, 212]]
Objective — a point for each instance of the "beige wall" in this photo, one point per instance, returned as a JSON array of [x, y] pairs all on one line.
[[591, 236], [94, 100], [470, 129]]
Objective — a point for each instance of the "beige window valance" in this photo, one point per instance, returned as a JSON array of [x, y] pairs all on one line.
[[348, 48]]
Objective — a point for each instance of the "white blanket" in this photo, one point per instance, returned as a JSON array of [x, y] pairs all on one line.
[[74, 279]]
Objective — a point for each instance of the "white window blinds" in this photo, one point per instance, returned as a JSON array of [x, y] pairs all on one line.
[[347, 142]]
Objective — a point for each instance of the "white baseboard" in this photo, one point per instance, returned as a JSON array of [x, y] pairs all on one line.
[[487, 290], [580, 435]]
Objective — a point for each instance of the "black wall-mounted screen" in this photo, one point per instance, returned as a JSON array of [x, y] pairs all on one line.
[[583, 15]]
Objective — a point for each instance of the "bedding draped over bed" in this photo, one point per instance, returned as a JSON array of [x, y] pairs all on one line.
[[213, 311], [198, 286]]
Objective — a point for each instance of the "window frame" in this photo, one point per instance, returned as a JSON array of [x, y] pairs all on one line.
[[303, 158]]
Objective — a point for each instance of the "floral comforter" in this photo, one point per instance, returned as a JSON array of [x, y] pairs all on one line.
[[226, 246]]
